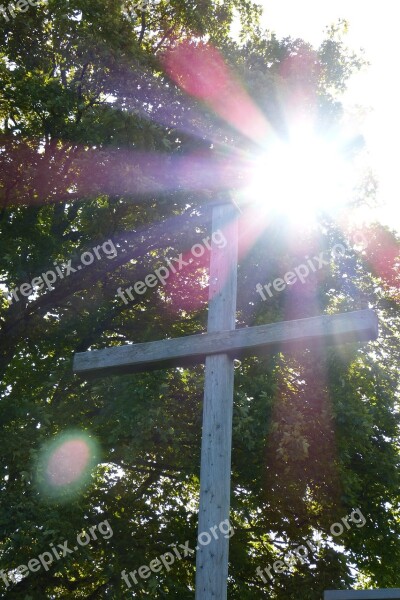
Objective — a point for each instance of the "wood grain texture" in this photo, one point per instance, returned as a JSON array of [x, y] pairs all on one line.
[[216, 441], [357, 326]]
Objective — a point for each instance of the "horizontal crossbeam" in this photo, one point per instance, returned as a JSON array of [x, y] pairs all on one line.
[[183, 351]]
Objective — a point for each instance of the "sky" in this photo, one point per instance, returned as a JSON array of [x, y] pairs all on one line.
[[374, 28]]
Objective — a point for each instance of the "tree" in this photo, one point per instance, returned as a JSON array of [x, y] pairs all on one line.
[[99, 145]]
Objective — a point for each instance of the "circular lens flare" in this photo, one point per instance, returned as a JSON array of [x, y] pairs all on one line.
[[68, 462], [65, 464]]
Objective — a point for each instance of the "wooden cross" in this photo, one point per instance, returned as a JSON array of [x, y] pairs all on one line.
[[218, 348]]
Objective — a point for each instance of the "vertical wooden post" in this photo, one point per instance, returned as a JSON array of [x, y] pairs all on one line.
[[215, 472]]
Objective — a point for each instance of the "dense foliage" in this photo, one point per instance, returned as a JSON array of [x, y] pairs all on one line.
[[97, 144]]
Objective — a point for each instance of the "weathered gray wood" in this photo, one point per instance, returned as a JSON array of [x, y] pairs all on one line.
[[384, 594], [217, 348], [215, 470], [353, 326]]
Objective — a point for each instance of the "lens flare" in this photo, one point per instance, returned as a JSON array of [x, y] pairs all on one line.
[[200, 70], [300, 177], [65, 465]]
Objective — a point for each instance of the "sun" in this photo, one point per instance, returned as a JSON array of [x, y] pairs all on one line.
[[299, 177]]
